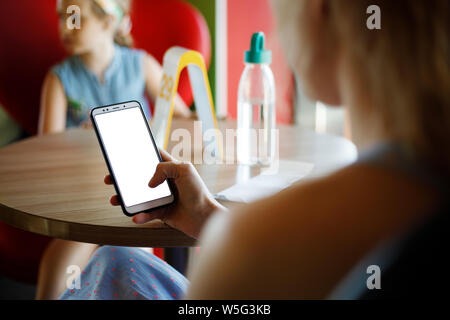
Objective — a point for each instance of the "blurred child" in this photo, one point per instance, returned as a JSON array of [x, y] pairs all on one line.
[[102, 68]]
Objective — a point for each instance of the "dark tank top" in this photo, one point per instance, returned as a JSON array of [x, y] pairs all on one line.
[[413, 264]]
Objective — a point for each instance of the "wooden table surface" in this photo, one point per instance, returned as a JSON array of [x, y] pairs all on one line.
[[53, 185]]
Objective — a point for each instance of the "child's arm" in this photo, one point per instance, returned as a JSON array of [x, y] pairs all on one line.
[[53, 112], [153, 74]]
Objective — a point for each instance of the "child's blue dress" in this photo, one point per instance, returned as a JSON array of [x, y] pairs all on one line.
[[127, 273], [124, 80]]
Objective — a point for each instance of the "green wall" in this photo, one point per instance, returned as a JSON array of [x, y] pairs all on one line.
[[208, 9], [9, 129]]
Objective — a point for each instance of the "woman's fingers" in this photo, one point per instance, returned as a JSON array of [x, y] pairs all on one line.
[[115, 201], [145, 217], [165, 155], [108, 179], [164, 170]]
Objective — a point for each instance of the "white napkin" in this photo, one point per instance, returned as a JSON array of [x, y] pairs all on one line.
[[267, 183]]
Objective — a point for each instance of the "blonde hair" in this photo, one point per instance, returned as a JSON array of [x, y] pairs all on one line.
[[405, 67], [122, 36]]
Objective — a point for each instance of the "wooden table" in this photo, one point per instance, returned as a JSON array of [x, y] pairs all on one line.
[[53, 185]]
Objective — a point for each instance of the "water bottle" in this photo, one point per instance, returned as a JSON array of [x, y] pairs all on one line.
[[256, 107]]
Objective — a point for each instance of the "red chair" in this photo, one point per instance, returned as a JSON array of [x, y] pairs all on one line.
[[30, 45]]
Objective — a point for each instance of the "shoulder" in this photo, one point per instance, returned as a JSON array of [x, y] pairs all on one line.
[[68, 63], [310, 235], [357, 195], [133, 61], [267, 241], [67, 70], [52, 82], [312, 202]]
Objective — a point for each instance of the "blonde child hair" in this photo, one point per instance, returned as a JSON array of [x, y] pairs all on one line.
[[120, 9]]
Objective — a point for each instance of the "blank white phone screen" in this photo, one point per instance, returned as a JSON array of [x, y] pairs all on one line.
[[131, 155]]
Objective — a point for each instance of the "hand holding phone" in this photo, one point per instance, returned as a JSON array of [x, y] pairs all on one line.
[[194, 203], [131, 155]]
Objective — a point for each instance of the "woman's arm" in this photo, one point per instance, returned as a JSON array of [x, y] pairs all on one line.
[[153, 75], [53, 110], [271, 249]]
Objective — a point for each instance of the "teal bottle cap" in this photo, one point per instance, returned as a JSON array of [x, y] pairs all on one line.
[[257, 54]]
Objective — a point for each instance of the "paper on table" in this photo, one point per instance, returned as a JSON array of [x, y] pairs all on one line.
[[267, 184]]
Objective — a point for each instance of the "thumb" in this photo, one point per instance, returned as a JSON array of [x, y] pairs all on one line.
[[164, 170], [165, 155]]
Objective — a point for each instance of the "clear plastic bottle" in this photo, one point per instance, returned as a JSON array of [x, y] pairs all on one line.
[[256, 107]]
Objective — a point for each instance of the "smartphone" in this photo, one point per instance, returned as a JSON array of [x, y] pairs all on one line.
[[131, 155]]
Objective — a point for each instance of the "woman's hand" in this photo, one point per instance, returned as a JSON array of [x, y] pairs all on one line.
[[193, 202]]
